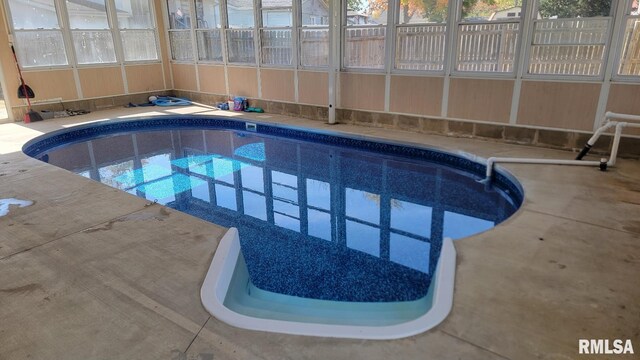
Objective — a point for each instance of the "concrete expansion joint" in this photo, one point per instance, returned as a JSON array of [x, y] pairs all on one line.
[[580, 221], [85, 230], [197, 334], [474, 345]]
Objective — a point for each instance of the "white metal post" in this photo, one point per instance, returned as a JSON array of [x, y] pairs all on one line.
[[257, 42], [526, 31], [224, 19], [334, 54], [389, 46], [296, 19], [194, 42], [454, 12], [610, 58]]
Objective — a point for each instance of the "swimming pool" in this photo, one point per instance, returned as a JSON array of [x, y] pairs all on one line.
[[325, 221]]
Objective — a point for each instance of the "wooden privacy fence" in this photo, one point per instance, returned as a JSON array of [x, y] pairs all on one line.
[[240, 45], [569, 46], [364, 47], [630, 59], [276, 46], [481, 47], [314, 47], [209, 45], [558, 46], [487, 47], [421, 47]]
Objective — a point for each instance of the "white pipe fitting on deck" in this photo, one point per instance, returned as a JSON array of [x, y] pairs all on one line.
[[630, 121], [493, 160]]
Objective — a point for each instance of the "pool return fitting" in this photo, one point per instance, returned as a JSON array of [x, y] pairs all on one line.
[[630, 121]]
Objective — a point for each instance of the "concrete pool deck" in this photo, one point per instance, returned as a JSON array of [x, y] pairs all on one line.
[[90, 272]]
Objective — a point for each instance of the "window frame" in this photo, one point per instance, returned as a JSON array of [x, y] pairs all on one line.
[[397, 25], [18, 47], [617, 57], [227, 29], [302, 66], [66, 33], [300, 28], [156, 36], [221, 30], [111, 29], [455, 39], [62, 30], [343, 36], [190, 31], [563, 77], [261, 28], [158, 58]]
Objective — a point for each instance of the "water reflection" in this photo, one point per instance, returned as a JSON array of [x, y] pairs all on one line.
[[315, 220]]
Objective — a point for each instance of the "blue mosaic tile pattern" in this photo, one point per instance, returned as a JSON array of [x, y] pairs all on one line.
[[169, 187], [80, 133], [320, 215], [134, 177], [221, 166], [253, 151]]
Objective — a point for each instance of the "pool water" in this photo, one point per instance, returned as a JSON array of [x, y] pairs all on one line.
[[315, 220]]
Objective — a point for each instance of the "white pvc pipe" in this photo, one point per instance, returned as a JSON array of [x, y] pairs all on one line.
[[616, 143], [616, 140], [635, 122], [493, 160], [627, 117], [618, 133], [596, 135]]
